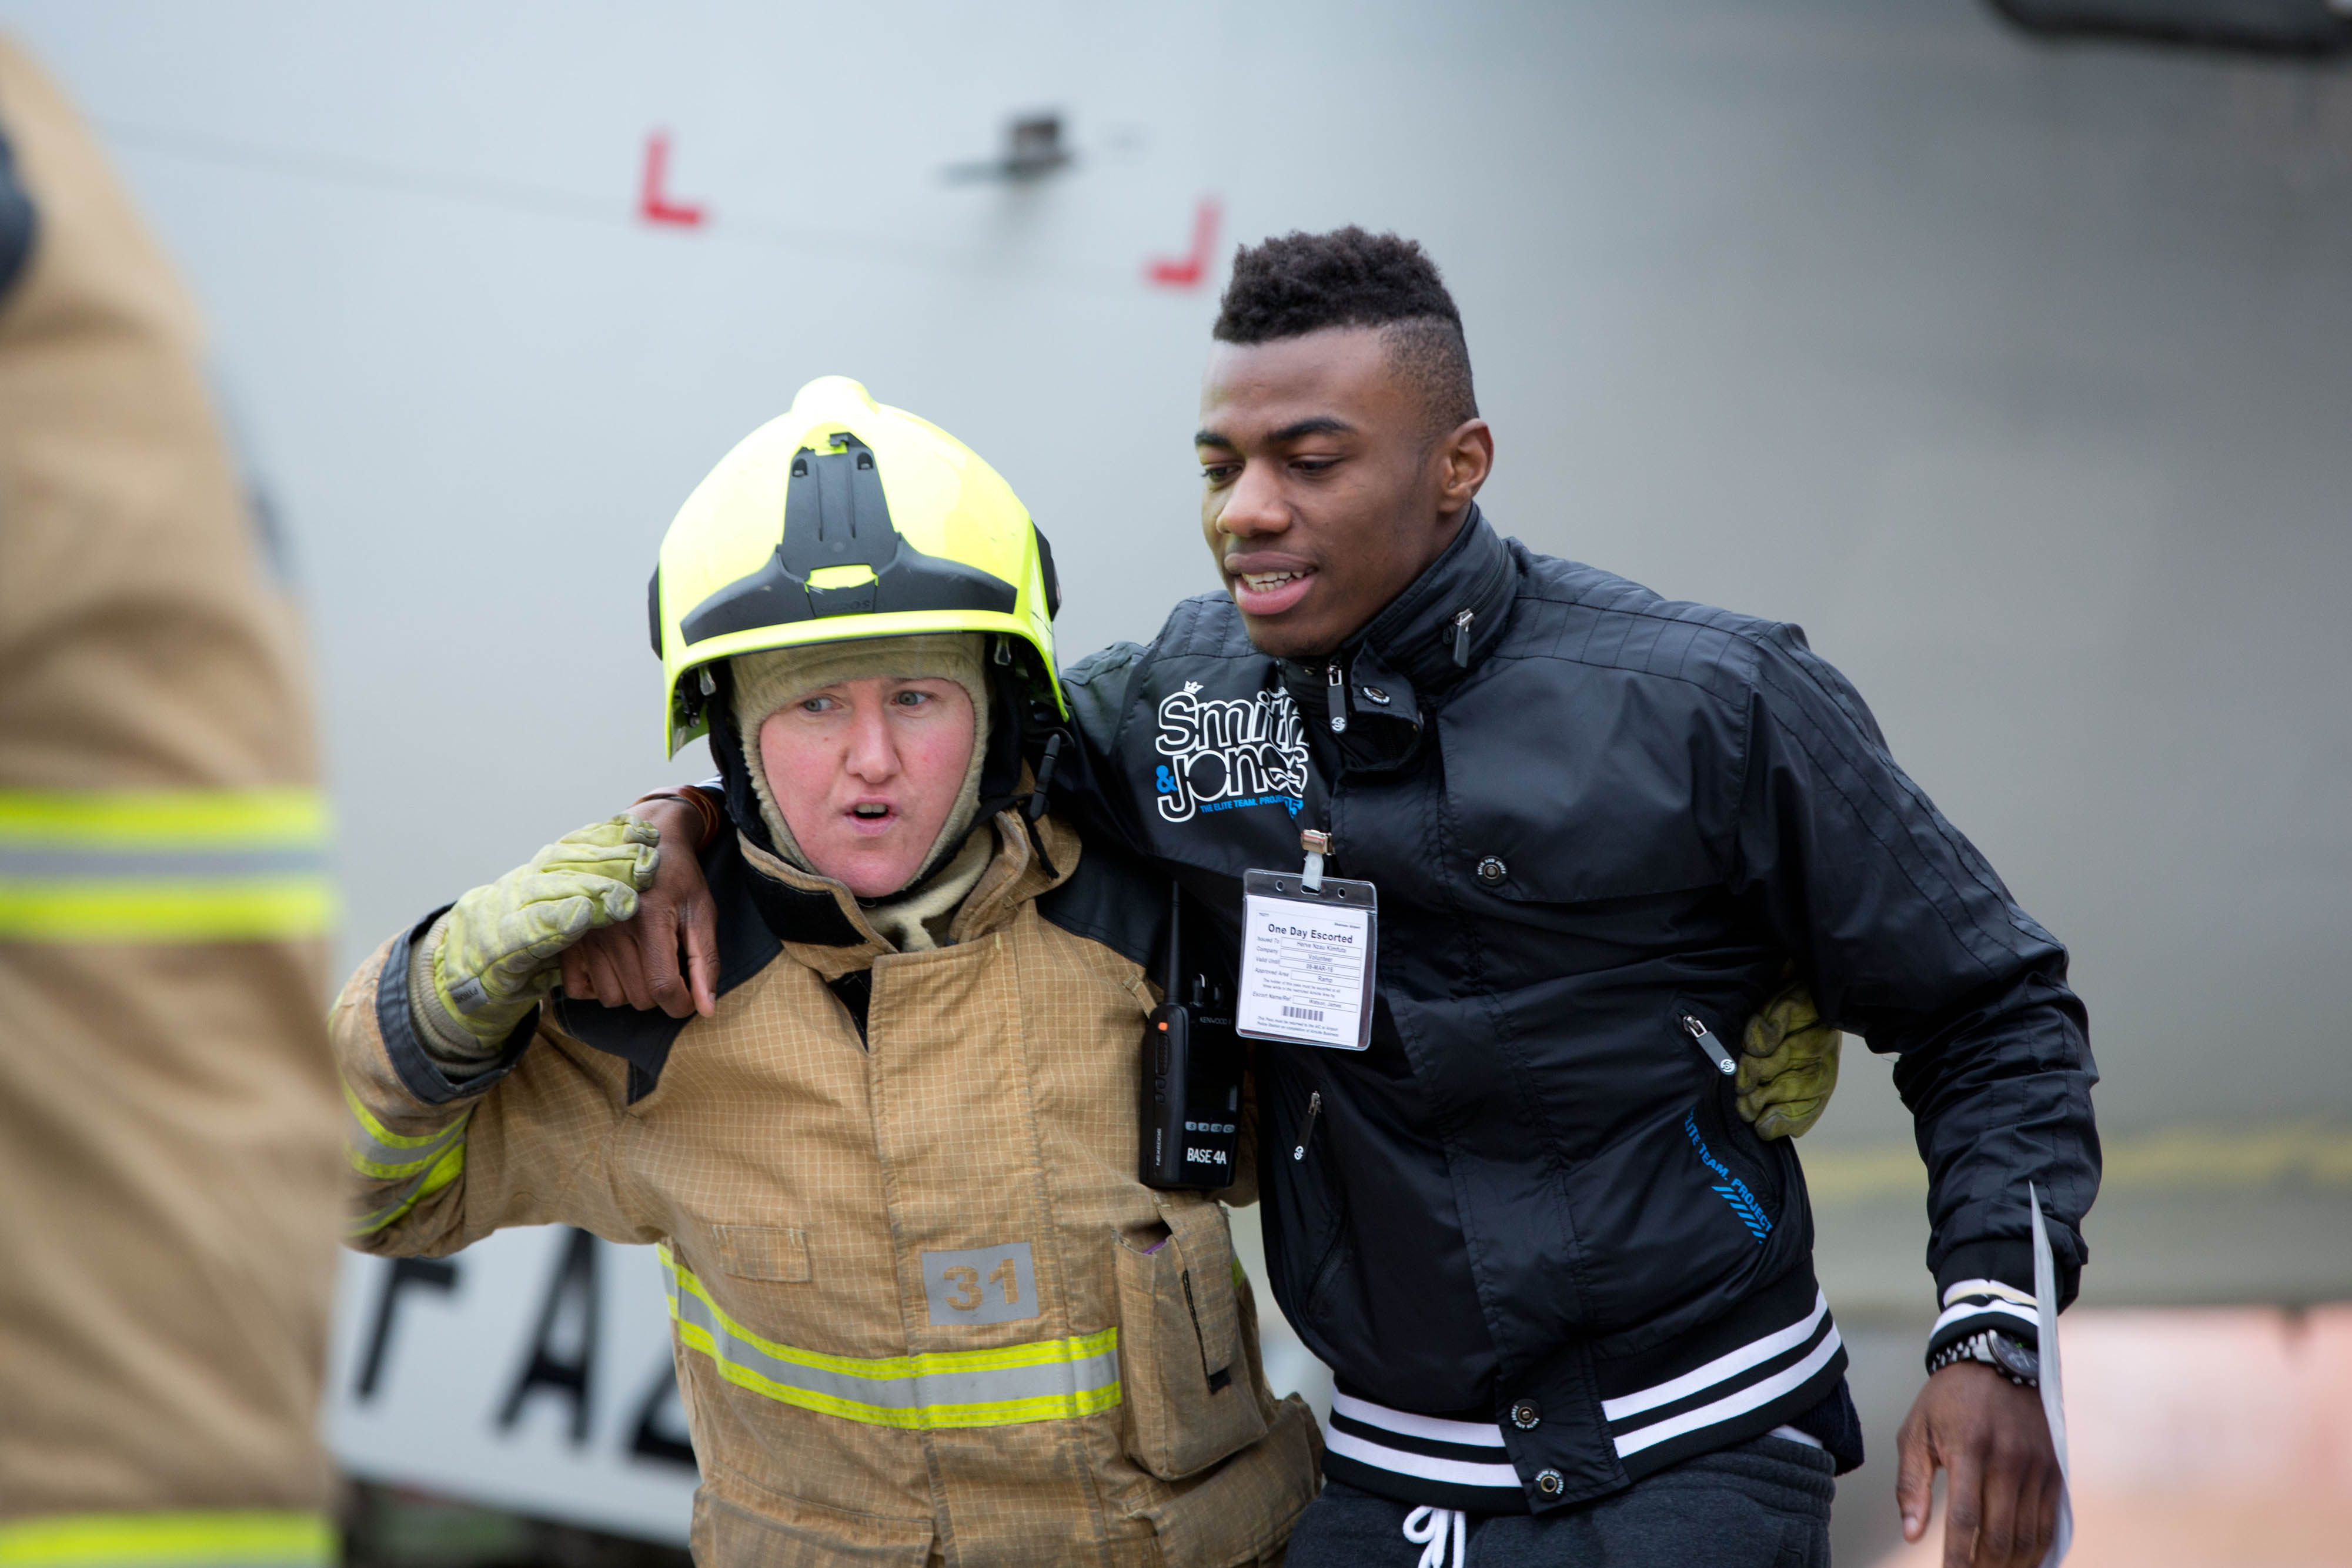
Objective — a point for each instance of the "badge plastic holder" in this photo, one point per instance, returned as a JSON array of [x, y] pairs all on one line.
[[1264, 892]]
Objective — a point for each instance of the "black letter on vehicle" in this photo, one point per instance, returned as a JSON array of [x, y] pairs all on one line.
[[433, 1273], [574, 1281]]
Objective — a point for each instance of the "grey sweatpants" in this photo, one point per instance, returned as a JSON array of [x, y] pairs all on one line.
[[1761, 1504]]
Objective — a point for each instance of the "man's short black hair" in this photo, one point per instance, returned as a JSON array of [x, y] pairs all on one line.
[[1302, 283]]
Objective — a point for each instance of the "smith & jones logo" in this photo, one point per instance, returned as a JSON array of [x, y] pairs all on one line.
[[1224, 753]]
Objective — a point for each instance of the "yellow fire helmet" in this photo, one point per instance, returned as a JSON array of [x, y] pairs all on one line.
[[847, 519]]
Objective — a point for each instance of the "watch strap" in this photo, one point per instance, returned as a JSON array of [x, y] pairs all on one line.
[[2004, 1353]]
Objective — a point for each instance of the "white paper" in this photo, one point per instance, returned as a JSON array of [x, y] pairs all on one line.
[[2053, 1394], [1303, 971]]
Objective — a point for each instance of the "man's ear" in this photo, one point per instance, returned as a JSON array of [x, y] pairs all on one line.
[[1464, 457]]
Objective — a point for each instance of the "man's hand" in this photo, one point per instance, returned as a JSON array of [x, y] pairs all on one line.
[[1990, 1436], [498, 951], [635, 963], [1787, 1065]]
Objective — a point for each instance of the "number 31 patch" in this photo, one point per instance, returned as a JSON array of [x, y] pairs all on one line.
[[982, 1284]]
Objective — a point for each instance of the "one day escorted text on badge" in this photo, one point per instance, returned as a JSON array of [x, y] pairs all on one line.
[[1307, 960]]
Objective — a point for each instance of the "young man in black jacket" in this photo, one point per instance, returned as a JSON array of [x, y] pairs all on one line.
[[1568, 1296], [1555, 1279]]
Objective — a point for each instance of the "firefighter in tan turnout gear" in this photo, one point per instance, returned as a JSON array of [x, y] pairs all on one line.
[[923, 1311], [168, 1144]]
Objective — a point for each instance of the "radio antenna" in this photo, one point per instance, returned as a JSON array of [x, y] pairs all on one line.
[[1175, 952]]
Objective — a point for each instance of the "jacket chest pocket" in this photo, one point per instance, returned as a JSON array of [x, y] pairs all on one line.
[[1571, 795], [1183, 1363], [761, 1252]]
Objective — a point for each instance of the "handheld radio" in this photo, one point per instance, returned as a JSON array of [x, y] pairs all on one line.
[[1192, 1078]]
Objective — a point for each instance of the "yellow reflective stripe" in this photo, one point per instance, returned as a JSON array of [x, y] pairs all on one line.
[[382, 1154], [385, 1135], [375, 1171], [164, 865], [446, 1169], [163, 819], [133, 911], [1007, 1357], [1049, 1380], [227, 1538]]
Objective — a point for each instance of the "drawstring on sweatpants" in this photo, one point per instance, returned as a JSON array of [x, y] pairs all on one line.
[[1431, 1528]]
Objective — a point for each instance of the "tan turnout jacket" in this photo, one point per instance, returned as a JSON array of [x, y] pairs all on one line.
[[923, 1310], [168, 1117]]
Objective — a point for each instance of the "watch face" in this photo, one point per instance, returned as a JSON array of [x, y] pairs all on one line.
[[2014, 1357]]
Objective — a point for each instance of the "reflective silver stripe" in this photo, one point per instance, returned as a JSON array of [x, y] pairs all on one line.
[[441, 1173], [431, 1162], [1045, 1381], [382, 1154], [385, 1162], [175, 865], [163, 866]]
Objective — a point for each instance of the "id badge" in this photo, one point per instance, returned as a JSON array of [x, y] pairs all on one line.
[[1307, 945]]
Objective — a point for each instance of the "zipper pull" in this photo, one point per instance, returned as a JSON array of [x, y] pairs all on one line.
[[1724, 1060], [1339, 698], [1306, 1128], [1462, 637]]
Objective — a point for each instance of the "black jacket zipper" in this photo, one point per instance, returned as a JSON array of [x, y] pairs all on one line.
[[1306, 1128]]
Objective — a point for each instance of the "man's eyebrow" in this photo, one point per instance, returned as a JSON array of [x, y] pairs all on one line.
[[1320, 424]]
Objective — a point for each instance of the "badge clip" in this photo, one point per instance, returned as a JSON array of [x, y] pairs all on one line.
[[1317, 843]]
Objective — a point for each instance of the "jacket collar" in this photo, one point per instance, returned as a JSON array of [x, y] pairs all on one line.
[[1408, 653], [1415, 637], [822, 924]]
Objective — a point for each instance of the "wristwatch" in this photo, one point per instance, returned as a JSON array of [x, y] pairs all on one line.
[[2011, 1357]]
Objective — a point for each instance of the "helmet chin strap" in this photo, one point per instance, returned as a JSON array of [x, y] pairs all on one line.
[[1000, 775]]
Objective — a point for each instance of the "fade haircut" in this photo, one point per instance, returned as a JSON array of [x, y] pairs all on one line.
[[1303, 283]]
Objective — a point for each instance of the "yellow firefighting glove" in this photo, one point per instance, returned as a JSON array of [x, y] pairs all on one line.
[[1787, 1065], [501, 944]]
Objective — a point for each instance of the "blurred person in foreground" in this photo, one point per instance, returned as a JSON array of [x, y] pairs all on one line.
[[1567, 1294], [923, 1308], [168, 1124]]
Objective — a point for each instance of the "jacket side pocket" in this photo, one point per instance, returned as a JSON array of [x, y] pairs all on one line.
[[1243, 1510], [1183, 1370]]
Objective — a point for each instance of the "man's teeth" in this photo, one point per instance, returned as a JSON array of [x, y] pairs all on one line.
[[1264, 581], [871, 810]]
